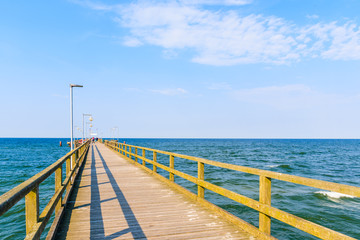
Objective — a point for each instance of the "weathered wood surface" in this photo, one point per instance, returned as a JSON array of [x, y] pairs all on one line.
[[116, 200]]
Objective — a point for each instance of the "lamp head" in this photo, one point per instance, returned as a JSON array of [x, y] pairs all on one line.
[[75, 85]]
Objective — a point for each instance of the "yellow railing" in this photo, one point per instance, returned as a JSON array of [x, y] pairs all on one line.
[[263, 206], [36, 221]]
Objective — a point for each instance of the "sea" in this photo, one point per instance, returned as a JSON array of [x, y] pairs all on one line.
[[334, 160]]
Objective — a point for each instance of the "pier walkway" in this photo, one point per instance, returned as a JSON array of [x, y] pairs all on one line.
[[112, 199]]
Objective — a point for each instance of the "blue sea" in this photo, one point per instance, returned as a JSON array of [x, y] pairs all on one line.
[[330, 160]]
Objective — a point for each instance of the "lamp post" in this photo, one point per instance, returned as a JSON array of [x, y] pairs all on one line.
[[86, 128], [90, 118], [71, 113]]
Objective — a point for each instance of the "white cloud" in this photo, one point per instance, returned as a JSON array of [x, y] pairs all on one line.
[[170, 91], [132, 42], [291, 97], [345, 44], [225, 37]]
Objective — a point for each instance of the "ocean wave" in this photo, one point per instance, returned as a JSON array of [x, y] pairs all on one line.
[[284, 166], [334, 194]]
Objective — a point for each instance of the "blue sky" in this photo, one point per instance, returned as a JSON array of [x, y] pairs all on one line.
[[201, 68]]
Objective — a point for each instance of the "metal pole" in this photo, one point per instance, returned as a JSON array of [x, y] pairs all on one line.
[[71, 113], [71, 117], [83, 131]]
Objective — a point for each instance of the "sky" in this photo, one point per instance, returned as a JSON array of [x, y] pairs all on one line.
[[181, 69]]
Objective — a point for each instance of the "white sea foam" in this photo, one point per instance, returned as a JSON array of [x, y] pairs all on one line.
[[273, 166], [334, 194]]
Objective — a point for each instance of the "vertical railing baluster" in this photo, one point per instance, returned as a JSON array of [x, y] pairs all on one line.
[[130, 156], [143, 154], [265, 198], [58, 184], [201, 175], [154, 161], [136, 159], [32, 208], [171, 165]]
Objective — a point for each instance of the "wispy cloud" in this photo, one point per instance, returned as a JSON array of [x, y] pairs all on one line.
[[225, 37], [170, 91], [132, 42], [297, 96]]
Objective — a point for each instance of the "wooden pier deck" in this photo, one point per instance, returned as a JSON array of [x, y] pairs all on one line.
[[113, 199]]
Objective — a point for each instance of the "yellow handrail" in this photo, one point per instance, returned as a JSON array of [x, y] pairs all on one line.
[[263, 206], [36, 221]]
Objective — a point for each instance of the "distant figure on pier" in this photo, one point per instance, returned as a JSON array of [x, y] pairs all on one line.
[[60, 144]]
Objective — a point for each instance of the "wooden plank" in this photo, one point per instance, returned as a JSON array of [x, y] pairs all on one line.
[[115, 200]]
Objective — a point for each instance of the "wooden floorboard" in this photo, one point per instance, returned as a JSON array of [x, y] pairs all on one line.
[[113, 199]]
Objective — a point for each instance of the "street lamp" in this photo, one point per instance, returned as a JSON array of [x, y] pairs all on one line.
[[71, 113], [90, 118]]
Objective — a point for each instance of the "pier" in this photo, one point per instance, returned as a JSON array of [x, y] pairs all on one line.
[[114, 200], [110, 192]]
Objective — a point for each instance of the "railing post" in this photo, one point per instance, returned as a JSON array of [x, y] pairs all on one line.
[[143, 154], [201, 174], [68, 173], [130, 153], [265, 198], [76, 157], [68, 167], [32, 208], [171, 175], [136, 159], [154, 161], [58, 184], [73, 157]]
